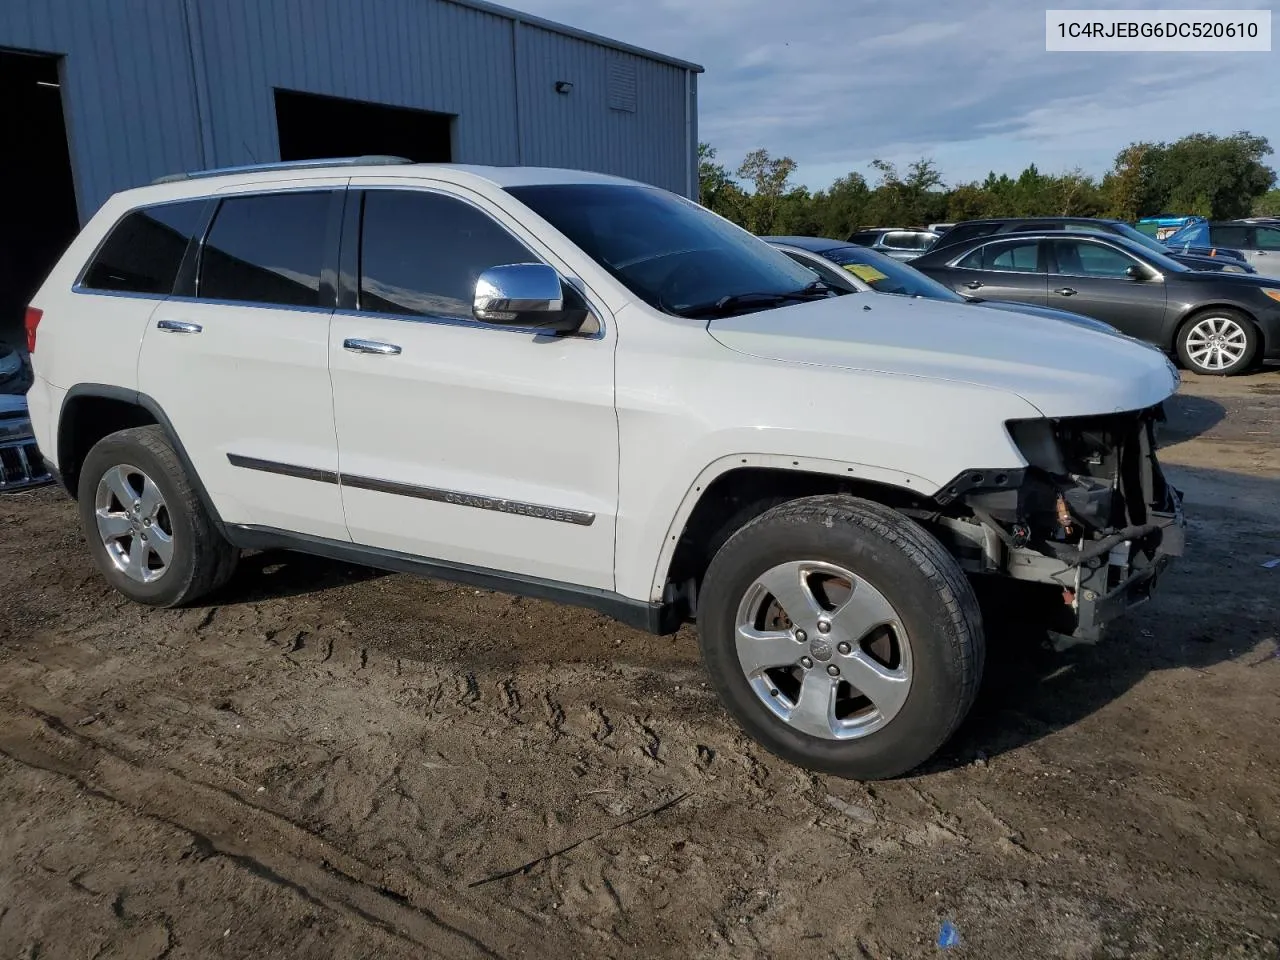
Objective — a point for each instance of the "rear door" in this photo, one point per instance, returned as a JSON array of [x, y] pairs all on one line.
[[1090, 277], [1265, 254], [238, 359], [1008, 269]]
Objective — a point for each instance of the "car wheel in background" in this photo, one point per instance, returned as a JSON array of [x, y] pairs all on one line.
[[1218, 342]]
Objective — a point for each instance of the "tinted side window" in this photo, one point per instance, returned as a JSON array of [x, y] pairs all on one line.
[[1083, 259], [1268, 238], [865, 238], [968, 231], [421, 253], [1229, 235], [144, 250], [266, 249], [1016, 257]]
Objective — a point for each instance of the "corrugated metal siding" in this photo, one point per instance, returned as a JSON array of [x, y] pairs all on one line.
[[127, 88], [579, 130], [157, 86]]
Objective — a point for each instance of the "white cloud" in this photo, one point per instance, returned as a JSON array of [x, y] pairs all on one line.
[[835, 83]]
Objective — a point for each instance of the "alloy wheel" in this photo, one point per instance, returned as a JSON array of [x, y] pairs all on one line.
[[134, 523], [1216, 343], [824, 650]]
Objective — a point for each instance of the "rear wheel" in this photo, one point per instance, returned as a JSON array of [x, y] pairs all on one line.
[[148, 530], [1218, 343], [841, 636]]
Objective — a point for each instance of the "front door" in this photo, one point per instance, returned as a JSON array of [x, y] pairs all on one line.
[[461, 441], [241, 368], [1092, 277]]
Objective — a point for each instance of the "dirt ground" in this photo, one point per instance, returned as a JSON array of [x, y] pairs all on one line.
[[331, 762]]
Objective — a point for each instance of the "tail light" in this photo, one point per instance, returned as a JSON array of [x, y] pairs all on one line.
[[31, 321]]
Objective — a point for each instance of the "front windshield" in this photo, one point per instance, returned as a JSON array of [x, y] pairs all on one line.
[[886, 275], [671, 253]]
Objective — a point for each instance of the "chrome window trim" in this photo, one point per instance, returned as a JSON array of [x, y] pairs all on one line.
[[252, 304], [576, 282]]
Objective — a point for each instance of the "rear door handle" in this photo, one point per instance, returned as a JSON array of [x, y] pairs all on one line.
[[974, 284], [356, 345], [178, 326], [1065, 291]]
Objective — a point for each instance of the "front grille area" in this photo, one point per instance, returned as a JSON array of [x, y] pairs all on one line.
[[21, 465]]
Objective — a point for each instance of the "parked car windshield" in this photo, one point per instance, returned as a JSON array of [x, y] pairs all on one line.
[[887, 275], [671, 253], [1137, 236]]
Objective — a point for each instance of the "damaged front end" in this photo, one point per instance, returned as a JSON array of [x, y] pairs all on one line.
[[1091, 514]]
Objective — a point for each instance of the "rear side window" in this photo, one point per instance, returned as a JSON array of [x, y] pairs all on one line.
[[421, 253], [144, 250], [266, 249], [1229, 235], [1268, 238], [1016, 257], [969, 231], [865, 238]]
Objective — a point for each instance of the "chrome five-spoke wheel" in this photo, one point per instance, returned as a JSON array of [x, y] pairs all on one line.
[[134, 523], [824, 650], [1216, 343]]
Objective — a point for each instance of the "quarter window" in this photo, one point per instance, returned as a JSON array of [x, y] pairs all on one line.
[[267, 249], [145, 249], [1079, 259], [421, 253]]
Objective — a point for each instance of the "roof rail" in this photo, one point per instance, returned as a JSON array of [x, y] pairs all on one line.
[[369, 161]]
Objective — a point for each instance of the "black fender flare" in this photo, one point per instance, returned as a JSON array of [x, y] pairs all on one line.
[[141, 400]]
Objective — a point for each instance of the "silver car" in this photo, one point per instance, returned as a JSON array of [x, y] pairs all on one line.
[[901, 243]]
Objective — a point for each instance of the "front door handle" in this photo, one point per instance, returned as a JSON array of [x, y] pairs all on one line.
[[356, 345], [974, 284], [178, 326], [1065, 291]]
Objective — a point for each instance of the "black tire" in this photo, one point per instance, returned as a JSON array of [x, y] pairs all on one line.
[[1246, 360], [202, 559], [931, 596]]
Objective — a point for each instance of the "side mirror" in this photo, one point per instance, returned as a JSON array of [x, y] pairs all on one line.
[[524, 295], [1135, 272]]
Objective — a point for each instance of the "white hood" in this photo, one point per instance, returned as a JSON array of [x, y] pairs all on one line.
[[1061, 369]]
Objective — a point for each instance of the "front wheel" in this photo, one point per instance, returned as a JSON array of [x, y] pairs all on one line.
[[1218, 343], [841, 636]]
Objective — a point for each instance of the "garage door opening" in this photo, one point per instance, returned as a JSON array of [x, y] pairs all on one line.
[[38, 217], [311, 127]]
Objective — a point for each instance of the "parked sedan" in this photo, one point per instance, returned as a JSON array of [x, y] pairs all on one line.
[[901, 243], [1196, 256], [853, 269], [1217, 323]]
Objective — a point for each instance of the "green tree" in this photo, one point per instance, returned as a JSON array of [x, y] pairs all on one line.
[[770, 181], [1267, 205], [1218, 177], [842, 207], [716, 188]]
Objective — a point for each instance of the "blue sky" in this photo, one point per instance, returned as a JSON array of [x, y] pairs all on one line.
[[968, 83]]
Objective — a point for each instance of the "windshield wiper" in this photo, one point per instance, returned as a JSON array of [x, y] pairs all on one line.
[[817, 290]]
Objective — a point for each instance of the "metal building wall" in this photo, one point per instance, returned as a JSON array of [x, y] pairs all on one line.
[[156, 86], [127, 87]]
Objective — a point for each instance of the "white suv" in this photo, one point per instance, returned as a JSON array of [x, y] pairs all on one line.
[[577, 387]]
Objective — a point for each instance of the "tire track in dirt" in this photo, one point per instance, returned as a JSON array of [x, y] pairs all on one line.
[[264, 844]]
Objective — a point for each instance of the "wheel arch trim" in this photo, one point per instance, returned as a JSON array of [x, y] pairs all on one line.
[[141, 400], [781, 463]]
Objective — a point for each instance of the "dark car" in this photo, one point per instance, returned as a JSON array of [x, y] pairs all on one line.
[[1218, 323], [1197, 257], [851, 268], [1260, 241]]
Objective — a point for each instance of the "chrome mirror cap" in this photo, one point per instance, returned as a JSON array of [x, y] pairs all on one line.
[[523, 294]]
